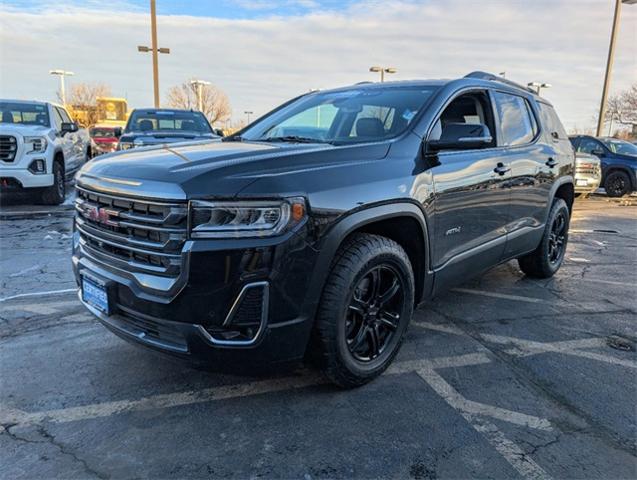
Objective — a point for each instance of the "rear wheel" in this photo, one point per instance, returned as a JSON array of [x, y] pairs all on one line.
[[617, 184], [55, 194], [366, 306], [547, 258]]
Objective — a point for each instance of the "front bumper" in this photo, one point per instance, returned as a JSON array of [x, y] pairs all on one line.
[[586, 184], [26, 179], [196, 317]]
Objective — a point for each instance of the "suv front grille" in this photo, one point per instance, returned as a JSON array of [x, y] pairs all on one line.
[[135, 235], [587, 169], [8, 148]]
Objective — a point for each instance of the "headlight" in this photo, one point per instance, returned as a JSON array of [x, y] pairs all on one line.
[[244, 218], [124, 145], [138, 142], [35, 144]]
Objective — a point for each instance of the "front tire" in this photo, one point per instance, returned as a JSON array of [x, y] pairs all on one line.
[[547, 258], [55, 194], [617, 184], [365, 308]]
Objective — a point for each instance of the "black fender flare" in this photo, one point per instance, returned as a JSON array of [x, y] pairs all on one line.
[[556, 185], [348, 224]]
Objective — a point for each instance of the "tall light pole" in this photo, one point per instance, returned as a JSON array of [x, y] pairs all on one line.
[[248, 113], [538, 86], [609, 64], [153, 48], [383, 71], [198, 86], [62, 74]]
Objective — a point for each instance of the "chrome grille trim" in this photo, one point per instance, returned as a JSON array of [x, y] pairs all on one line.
[[132, 234]]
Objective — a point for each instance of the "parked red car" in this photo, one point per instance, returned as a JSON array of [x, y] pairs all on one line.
[[103, 139]]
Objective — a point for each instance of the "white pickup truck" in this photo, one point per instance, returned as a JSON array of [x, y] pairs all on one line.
[[40, 148]]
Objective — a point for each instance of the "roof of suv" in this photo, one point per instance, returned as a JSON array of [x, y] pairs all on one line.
[[481, 79]]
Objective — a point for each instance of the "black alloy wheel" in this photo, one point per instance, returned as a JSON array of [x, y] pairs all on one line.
[[557, 238], [373, 314], [365, 308], [617, 184]]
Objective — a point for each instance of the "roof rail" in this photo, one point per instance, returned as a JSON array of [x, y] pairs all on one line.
[[494, 78]]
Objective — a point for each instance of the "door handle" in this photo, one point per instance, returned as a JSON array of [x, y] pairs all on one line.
[[501, 169], [551, 162]]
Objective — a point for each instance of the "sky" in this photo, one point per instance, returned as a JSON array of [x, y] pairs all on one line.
[[263, 52]]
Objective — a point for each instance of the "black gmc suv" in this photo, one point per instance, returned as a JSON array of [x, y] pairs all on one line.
[[316, 230]]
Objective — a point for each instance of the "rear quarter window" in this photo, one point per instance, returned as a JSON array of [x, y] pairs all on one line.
[[551, 122]]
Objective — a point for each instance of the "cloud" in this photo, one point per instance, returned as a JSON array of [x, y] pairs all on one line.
[[261, 62]]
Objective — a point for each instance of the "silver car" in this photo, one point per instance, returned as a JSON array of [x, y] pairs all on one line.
[[588, 173]]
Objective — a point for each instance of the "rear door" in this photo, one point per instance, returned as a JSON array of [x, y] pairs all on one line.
[[532, 163]]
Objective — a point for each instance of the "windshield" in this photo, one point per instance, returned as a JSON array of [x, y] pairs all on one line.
[[24, 114], [168, 121], [620, 146], [99, 132], [346, 116]]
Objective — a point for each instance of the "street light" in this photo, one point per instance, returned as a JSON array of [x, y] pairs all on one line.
[[609, 63], [198, 85], [383, 71], [62, 74], [538, 86], [153, 48], [248, 113]]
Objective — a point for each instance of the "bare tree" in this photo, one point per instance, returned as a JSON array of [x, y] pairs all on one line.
[[623, 107], [215, 103], [82, 99]]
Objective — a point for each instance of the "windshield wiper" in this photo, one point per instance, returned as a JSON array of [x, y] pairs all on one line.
[[232, 138], [292, 139]]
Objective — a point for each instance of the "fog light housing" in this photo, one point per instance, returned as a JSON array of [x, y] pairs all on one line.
[[38, 166]]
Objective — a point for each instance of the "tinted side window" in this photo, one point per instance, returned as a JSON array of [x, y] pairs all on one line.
[[551, 121], [587, 145], [516, 120]]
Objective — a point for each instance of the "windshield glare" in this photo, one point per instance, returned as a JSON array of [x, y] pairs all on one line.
[[24, 114], [347, 116], [168, 121], [621, 147]]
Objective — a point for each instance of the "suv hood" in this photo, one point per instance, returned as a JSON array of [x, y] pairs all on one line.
[[213, 169], [16, 128]]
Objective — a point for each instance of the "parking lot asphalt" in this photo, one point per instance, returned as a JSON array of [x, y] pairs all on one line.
[[502, 377]]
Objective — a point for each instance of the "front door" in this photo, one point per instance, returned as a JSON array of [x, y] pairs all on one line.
[[471, 198]]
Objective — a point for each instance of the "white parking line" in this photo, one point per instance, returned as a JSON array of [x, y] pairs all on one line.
[[529, 347], [511, 452], [503, 296], [105, 409], [609, 282], [38, 294], [457, 401]]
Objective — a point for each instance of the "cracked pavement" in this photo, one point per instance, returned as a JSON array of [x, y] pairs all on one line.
[[503, 377]]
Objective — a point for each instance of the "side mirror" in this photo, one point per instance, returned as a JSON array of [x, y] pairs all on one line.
[[598, 152], [68, 127], [462, 136], [117, 131]]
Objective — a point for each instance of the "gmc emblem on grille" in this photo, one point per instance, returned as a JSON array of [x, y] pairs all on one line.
[[100, 215]]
